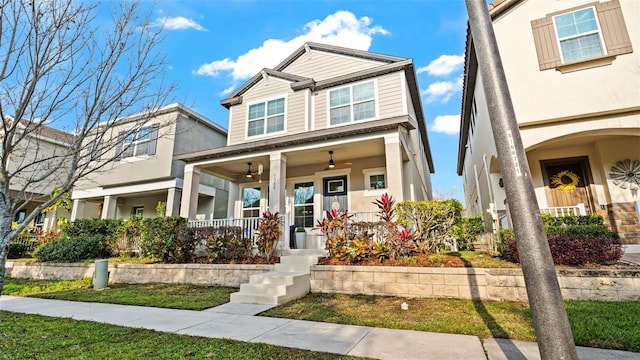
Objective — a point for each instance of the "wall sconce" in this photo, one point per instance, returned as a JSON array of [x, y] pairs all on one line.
[[501, 183]]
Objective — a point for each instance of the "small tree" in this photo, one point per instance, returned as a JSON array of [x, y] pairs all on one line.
[[60, 68]]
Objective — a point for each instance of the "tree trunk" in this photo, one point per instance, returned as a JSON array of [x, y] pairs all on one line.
[[4, 250]]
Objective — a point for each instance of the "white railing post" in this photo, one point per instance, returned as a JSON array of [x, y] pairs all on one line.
[[581, 209]]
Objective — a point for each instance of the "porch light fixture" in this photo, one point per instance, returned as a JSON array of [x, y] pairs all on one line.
[[249, 175], [331, 163]]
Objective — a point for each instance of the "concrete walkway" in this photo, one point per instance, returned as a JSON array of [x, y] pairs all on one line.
[[237, 321]]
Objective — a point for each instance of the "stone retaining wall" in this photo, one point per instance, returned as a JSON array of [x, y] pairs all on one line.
[[197, 274], [410, 282], [470, 283]]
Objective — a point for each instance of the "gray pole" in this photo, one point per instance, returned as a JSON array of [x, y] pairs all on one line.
[[550, 321]]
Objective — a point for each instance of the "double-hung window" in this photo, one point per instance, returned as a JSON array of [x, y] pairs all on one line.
[[352, 103], [251, 202], [138, 142], [579, 35], [266, 117], [303, 204], [582, 37]]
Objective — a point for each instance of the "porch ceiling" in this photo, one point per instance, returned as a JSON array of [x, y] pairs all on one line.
[[581, 139], [236, 168]]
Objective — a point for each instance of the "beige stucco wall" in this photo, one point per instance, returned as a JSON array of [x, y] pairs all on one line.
[[550, 94]]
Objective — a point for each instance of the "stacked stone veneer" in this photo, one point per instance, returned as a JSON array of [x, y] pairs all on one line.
[[469, 283], [197, 274], [625, 220]]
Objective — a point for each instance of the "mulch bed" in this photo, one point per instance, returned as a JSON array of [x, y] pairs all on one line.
[[422, 260]]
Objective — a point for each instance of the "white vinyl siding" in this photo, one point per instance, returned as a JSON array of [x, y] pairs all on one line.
[[579, 36]]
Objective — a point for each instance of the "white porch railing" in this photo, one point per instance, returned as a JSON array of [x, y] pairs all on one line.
[[248, 225], [366, 216], [558, 211]]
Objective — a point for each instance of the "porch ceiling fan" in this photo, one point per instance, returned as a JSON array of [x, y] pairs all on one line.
[[332, 164], [252, 174]]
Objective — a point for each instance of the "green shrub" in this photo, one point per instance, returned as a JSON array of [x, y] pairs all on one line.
[[549, 220], [467, 230], [108, 228], [159, 239], [585, 230], [432, 221], [73, 249], [16, 250]]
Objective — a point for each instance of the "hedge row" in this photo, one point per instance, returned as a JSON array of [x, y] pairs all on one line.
[[570, 249]]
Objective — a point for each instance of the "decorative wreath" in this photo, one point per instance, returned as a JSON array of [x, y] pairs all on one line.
[[626, 174], [565, 180]]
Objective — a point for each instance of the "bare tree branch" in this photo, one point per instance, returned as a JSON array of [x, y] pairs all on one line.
[[60, 70]]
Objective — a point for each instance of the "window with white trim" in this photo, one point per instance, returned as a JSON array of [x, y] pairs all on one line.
[[137, 142], [579, 35], [352, 103], [251, 202], [266, 117], [374, 179], [303, 204]]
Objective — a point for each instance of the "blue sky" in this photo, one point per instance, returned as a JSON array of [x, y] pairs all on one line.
[[214, 46]]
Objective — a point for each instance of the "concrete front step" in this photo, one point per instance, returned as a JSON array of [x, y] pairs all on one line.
[[289, 280], [303, 252]]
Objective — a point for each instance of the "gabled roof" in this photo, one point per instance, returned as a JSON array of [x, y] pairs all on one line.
[[300, 82], [389, 64], [43, 131], [496, 8]]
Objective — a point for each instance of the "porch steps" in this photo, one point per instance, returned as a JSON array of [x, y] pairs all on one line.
[[290, 280]]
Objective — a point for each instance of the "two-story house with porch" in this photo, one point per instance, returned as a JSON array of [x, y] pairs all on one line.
[[327, 128], [573, 74], [28, 184], [145, 173]]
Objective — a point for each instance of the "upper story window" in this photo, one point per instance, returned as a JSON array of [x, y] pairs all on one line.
[[138, 142], [266, 117], [578, 35], [582, 37], [352, 103]]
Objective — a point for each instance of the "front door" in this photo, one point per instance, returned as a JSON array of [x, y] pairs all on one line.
[[568, 182], [334, 189]]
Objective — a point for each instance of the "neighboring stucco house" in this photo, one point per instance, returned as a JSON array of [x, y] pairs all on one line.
[[30, 154], [573, 72], [327, 128], [145, 172]]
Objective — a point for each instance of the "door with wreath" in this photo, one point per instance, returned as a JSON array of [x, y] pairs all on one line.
[[568, 182]]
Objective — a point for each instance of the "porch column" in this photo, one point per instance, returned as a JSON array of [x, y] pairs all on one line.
[[173, 202], [77, 211], [277, 182], [234, 198], [393, 162], [190, 188], [109, 207]]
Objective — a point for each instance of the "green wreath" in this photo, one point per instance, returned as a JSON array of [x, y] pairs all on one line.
[[565, 180]]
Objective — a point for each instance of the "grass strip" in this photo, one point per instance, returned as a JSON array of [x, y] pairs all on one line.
[[40, 337], [174, 296]]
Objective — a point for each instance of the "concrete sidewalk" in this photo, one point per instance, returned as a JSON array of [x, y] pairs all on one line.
[[237, 321]]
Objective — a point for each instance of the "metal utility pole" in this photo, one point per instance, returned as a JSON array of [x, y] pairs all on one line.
[[550, 321]]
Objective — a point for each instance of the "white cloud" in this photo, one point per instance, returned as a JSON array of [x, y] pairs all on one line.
[[442, 90], [228, 90], [446, 124], [342, 28], [177, 23], [444, 65]]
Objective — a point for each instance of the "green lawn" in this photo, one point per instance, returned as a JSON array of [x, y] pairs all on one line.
[[175, 296], [41, 337], [614, 325]]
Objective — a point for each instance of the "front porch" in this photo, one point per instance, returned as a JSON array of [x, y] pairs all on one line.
[[302, 181]]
